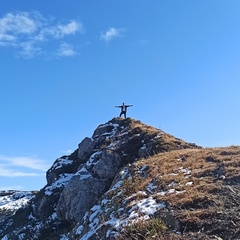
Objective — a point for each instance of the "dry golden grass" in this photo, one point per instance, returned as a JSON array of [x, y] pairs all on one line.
[[197, 175]]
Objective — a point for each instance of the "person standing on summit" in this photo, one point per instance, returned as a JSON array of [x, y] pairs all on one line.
[[123, 109]]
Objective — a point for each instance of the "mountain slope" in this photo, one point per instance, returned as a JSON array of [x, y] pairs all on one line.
[[133, 181]]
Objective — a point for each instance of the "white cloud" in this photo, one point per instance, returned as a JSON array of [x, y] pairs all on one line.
[[19, 23], [24, 161], [7, 37], [29, 33], [59, 31], [111, 33], [68, 29], [4, 172], [30, 49], [66, 50], [22, 166]]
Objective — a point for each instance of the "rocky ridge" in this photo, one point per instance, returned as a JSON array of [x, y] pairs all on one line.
[[132, 181]]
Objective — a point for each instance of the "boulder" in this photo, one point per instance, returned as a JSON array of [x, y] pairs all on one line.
[[85, 188], [78, 197], [86, 147]]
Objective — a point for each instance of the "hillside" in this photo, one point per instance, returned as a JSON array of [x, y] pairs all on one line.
[[131, 181]]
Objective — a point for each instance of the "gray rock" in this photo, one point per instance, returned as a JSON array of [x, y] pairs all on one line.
[[107, 166], [78, 197], [101, 129], [84, 190], [86, 147]]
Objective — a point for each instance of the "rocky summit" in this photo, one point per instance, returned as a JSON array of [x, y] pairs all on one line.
[[130, 181]]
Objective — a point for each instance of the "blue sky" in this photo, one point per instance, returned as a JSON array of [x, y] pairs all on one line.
[[66, 64]]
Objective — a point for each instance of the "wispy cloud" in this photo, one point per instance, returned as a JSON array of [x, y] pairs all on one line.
[[66, 50], [22, 166], [4, 172], [29, 32], [111, 33]]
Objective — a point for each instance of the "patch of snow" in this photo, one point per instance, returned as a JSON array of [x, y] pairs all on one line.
[[147, 207], [104, 201], [62, 181], [92, 160], [172, 184], [84, 173], [120, 209], [108, 233], [96, 210], [180, 192], [184, 171], [61, 162], [143, 147], [150, 187], [113, 145], [114, 131], [171, 191], [173, 174], [118, 184], [93, 228], [94, 224], [21, 236], [158, 136], [79, 230], [37, 227], [189, 183], [31, 217], [63, 237], [53, 216], [143, 168], [103, 125], [15, 201], [142, 193]]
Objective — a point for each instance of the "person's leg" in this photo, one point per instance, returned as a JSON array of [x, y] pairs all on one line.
[[120, 114], [124, 114]]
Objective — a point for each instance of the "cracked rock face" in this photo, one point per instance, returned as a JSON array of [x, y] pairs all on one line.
[[78, 197], [85, 148], [87, 185]]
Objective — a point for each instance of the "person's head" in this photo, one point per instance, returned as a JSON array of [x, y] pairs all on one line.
[[123, 104]]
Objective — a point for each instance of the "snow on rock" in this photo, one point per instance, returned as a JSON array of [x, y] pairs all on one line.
[[61, 182], [15, 201], [83, 174], [189, 184], [61, 162], [147, 206]]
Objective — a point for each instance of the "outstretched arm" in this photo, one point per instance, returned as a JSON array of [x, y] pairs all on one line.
[[128, 105], [118, 106]]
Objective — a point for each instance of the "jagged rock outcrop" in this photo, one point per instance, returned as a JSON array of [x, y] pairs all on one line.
[[112, 146], [88, 185], [132, 181]]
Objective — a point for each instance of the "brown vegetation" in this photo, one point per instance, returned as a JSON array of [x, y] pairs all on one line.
[[200, 188]]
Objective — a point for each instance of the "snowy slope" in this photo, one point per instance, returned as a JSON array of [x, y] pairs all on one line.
[[13, 200]]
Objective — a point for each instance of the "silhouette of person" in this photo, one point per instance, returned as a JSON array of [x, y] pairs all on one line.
[[123, 109]]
